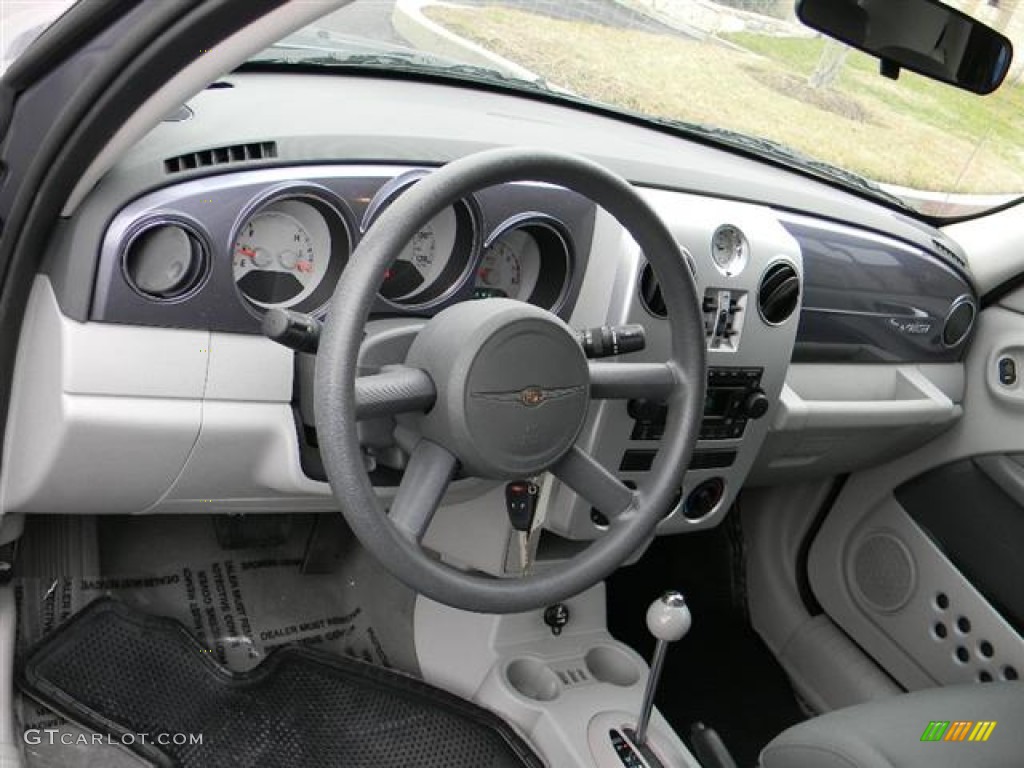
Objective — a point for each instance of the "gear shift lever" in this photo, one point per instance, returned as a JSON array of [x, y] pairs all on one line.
[[668, 619]]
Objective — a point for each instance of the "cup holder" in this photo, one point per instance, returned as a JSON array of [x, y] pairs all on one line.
[[608, 664], [533, 679]]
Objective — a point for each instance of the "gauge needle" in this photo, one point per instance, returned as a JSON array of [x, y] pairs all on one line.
[[247, 252], [304, 266]]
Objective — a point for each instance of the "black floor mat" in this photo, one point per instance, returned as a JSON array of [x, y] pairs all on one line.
[[121, 672], [721, 673]]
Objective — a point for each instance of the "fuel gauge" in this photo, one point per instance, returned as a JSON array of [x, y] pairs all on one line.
[[283, 252]]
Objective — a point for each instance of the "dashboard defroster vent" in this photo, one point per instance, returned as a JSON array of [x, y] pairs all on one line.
[[779, 293], [236, 153], [650, 293]]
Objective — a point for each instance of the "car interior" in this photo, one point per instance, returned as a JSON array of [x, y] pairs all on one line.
[[370, 400]]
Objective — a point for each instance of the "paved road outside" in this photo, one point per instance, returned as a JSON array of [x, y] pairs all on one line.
[[372, 18], [605, 12], [364, 18]]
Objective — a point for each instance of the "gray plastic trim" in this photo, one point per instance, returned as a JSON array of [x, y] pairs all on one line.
[[905, 639], [902, 642], [839, 418], [612, 296], [826, 668], [559, 692]]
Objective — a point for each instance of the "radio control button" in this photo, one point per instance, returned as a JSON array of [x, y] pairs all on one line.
[[756, 404]]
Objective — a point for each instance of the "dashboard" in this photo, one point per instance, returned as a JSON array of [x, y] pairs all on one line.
[[145, 385]]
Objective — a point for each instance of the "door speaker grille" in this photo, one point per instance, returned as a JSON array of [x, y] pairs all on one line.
[[883, 571]]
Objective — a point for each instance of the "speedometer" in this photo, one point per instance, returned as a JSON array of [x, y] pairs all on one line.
[[437, 260], [423, 261]]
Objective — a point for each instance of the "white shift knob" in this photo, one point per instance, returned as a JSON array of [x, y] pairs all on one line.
[[668, 618]]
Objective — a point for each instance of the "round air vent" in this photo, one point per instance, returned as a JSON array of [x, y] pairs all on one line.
[[165, 261], [779, 293], [650, 293], [959, 321], [650, 289]]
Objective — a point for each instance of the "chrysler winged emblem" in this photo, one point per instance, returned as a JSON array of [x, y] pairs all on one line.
[[530, 397]]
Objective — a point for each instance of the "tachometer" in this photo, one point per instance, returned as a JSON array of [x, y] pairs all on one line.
[[282, 253], [528, 258]]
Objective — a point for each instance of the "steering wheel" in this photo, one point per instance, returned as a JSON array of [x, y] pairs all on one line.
[[499, 389]]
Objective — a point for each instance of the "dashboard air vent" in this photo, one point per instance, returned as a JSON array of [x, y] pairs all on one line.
[[236, 153], [959, 321], [779, 293], [650, 293], [650, 289]]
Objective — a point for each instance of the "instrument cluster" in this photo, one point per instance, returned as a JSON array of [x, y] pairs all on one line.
[[287, 244]]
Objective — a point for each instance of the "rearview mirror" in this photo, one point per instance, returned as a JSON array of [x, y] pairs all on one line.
[[924, 36]]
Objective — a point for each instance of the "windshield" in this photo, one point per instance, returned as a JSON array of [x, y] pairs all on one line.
[[745, 70]]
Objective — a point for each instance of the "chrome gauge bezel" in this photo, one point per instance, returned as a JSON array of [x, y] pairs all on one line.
[[337, 217], [161, 219], [553, 237], [461, 261], [958, 302], [739, 263]]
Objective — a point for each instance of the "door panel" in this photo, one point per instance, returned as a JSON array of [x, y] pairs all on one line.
[[919, 560], [976, 524]]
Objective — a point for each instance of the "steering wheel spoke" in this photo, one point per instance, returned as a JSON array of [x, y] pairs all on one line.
[[427, 476], [620, 381], [396, 389], [589, 479]]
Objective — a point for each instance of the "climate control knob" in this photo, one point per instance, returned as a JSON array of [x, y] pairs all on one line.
[[755, 404]]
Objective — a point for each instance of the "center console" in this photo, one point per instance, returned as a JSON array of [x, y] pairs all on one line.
[[575, 696], [748, 271]]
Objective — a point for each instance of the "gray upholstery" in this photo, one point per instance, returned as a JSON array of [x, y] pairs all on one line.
[[887, 733]]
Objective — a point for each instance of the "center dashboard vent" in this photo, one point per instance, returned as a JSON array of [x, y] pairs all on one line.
[[779, 293], [236, 153], [650, 293]]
